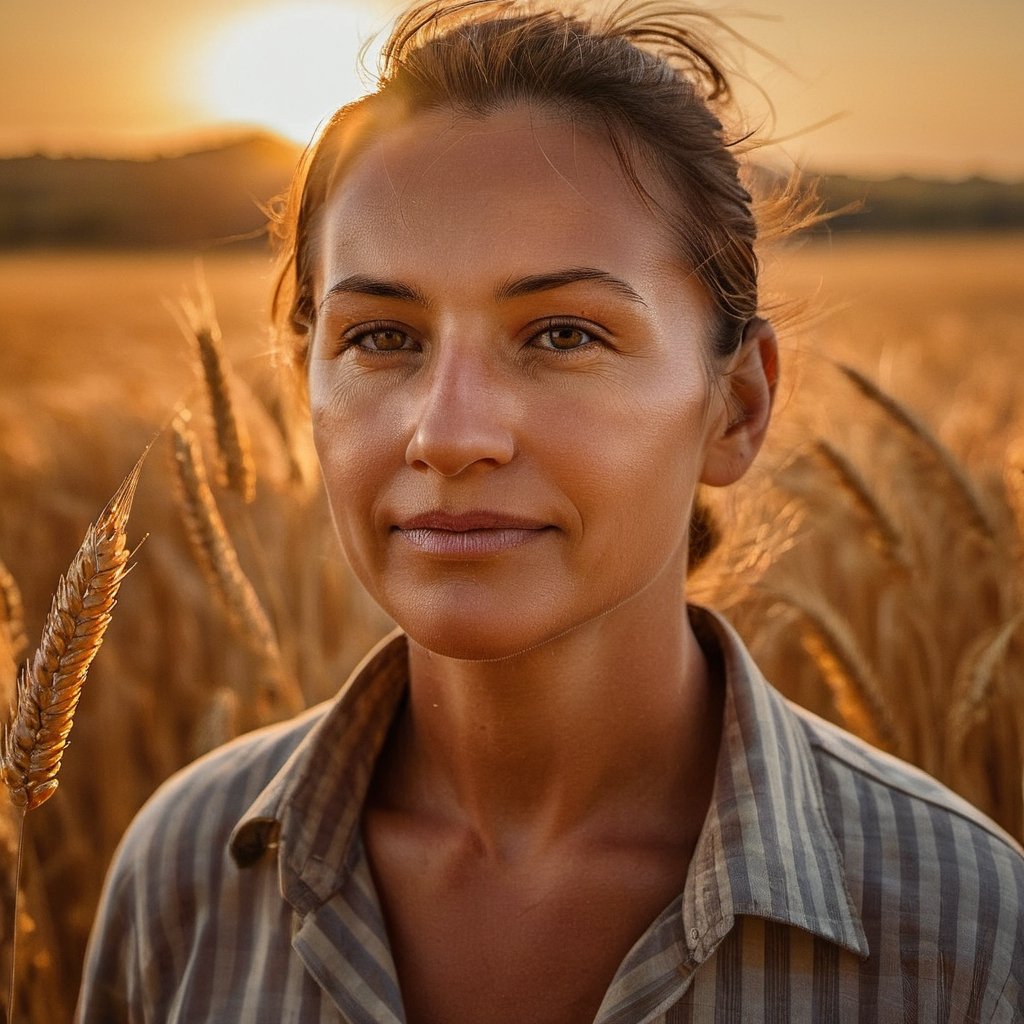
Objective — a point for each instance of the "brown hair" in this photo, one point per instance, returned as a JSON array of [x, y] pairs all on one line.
[[642, 75]]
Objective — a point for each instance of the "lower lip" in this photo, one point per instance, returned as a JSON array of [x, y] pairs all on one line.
[[469, 543]]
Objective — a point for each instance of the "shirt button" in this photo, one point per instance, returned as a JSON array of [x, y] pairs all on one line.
[[694, 934]]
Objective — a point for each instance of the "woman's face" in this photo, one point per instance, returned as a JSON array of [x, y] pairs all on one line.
[[507, 383]]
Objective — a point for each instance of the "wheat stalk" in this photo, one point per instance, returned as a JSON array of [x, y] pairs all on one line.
[[975, 678], [12, 615], [856, 692], [8, 671], [884, 531], [235, 461], [219, 562], [1013, 487], [49, 686], [929, 442]]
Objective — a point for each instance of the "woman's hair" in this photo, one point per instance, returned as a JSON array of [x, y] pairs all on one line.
[[641, 75]]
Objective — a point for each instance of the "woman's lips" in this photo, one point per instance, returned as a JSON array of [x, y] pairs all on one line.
[[473, 534]]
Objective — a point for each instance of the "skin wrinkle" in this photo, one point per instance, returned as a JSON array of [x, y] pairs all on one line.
[[480, 128], [391, 181], [455, 142], [550, 162]]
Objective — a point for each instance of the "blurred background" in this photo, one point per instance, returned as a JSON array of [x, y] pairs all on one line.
[[872, 559], [926, 87]]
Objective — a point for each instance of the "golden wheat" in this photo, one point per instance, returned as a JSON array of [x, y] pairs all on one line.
[[977, 515], [883, 531], [857, 694], [975, 678], [1013, 488], [49, 687], [8, 671], [212, 546], [219, 563], [235, 461], [219, 723], [12, 615]]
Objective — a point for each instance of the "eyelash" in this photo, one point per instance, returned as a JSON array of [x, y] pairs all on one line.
[[554, 325], [354, 338]]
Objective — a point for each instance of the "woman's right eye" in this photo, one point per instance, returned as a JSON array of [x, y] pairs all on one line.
[[380, 340]]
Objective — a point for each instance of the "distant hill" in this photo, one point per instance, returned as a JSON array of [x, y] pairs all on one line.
[[211, 196], [920, 205], [191, 199]]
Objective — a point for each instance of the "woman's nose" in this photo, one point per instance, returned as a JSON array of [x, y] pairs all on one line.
[[463, 420]]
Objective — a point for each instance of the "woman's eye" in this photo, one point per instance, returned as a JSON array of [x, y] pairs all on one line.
[[382, 339], [564, 338]]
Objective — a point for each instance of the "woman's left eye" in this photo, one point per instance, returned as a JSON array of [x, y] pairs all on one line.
[[564, 338], [372, 339], [383, 339]]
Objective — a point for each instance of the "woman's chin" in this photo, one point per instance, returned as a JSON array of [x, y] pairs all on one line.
[[475, 638], [472, 644], [463, 620]]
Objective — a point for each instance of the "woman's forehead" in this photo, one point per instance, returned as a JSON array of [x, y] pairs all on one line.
[[466, 189]]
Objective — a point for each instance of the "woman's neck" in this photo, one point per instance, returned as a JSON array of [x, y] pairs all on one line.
[[608, 734]]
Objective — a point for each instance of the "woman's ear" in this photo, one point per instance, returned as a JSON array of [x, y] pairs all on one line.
[[748, 387]]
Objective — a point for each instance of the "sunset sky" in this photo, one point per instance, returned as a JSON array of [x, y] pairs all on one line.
[[924, 86]]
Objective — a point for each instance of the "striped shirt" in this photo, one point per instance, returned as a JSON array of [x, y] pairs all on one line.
[[830, 883]]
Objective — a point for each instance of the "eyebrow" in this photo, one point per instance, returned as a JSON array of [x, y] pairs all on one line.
[[561, 278], [361, 284]]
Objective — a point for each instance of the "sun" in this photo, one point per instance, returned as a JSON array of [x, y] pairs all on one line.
[[285, 67]]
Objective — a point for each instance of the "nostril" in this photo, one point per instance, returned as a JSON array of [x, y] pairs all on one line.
[[464, 418], [450, 447]]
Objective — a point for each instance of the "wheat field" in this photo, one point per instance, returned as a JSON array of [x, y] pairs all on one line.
[[872, 559]]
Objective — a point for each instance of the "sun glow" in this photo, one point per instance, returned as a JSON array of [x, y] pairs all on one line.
[[285, 68]]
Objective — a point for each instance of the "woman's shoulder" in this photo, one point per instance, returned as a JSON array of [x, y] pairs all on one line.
[[857, 772], [918, 858], [197, 808], [936, 885]]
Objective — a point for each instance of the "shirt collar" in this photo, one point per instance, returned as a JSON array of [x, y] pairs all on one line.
[[309, 811], [766, 848]]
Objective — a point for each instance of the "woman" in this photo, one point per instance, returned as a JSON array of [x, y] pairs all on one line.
[[522, 287]]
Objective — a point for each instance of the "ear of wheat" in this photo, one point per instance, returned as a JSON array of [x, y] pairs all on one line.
[[219, 562], [8, 671], [857, 694], [976, 676], [978, 517], [883, 531], [49, 686], [12, 620], [212, 546], [236, 465]]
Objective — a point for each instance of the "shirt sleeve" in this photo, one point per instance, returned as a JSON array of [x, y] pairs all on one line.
[[159, 901], [133, 961], [111, 991]]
